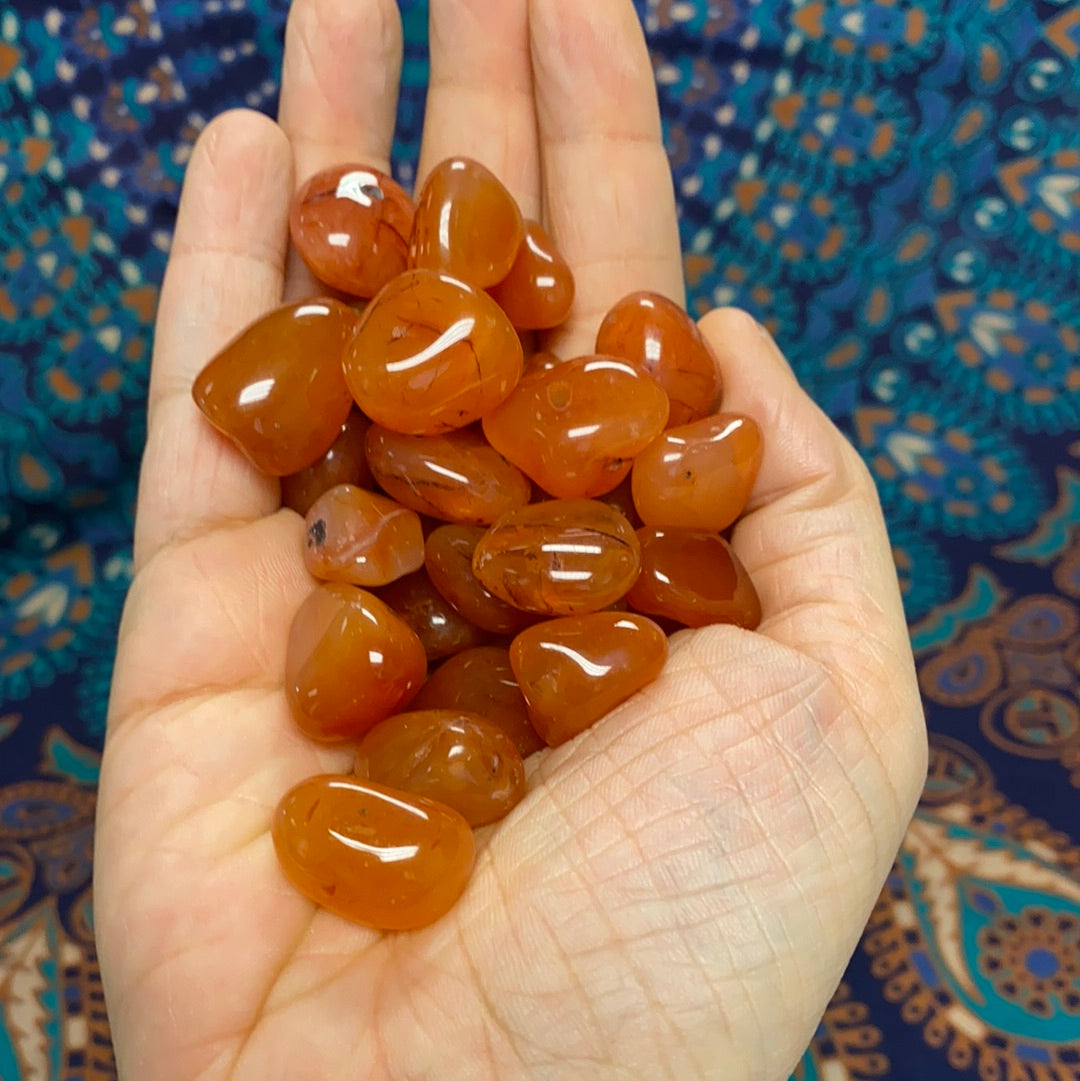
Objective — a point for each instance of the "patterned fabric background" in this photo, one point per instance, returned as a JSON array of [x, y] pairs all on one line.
[[892, 186]]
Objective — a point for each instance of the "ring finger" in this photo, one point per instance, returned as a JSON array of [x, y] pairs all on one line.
[[480, 98]]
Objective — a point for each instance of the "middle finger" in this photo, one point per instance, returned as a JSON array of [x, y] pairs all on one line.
[[480, 98]]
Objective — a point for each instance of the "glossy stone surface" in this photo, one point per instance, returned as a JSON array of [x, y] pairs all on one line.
[[456, 477], [351, 224], [343, 463], [448, 558], [694, 578], [353, 535], [698, 476], [431, 354], [373, 855], [539, 290], [276, 390], [657, 335], [573, 671], [441, 629], [481, 681], [467, 224], [575, 428], [561, 557], [349, 663], [451, 756]]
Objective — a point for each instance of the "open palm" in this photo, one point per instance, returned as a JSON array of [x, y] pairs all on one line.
[[678, 894]]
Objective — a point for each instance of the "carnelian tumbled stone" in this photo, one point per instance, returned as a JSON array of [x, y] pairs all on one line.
[[456, 477], [660, 338], [572, 671], [481, 681], [350, 661], [351, 224], [560, 557], [448, 755], [356, 536], [343, 463], [440, 627], [694, 578], [539, 290], [698, 476], [372, 854], [448, 555], [576, 428], [276, 390], [432, 354], [467, 224]]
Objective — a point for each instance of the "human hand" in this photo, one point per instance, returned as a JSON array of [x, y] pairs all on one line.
[[680, 891]]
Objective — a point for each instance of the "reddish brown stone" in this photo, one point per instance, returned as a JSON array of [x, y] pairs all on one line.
[[276, 390], [350, 662], [353, 535], [576, 427], [654, 333], [351, 224], [467, 224], [698, 476], [694, 578], [431, 354], [539, 290], [575, 670], [561, 557], [457, 758], [373, 854]]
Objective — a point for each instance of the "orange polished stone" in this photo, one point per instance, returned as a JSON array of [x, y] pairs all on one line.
[[573, 671], [481, 681], [374, 855], [698, 476], [456, 477], [561, 557], [658, 336], [276, 390], [351, 224], [439, 626], [349, 663], [539, 290], [575, 428], [448, 755], [353, 535], [694, 578], [448, 559], [432, 354], [467, 224], [343, 463]]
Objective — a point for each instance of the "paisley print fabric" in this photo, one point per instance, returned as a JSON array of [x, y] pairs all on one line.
[[892, 186]]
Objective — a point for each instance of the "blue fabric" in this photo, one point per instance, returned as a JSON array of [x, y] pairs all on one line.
[[892, 187]]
